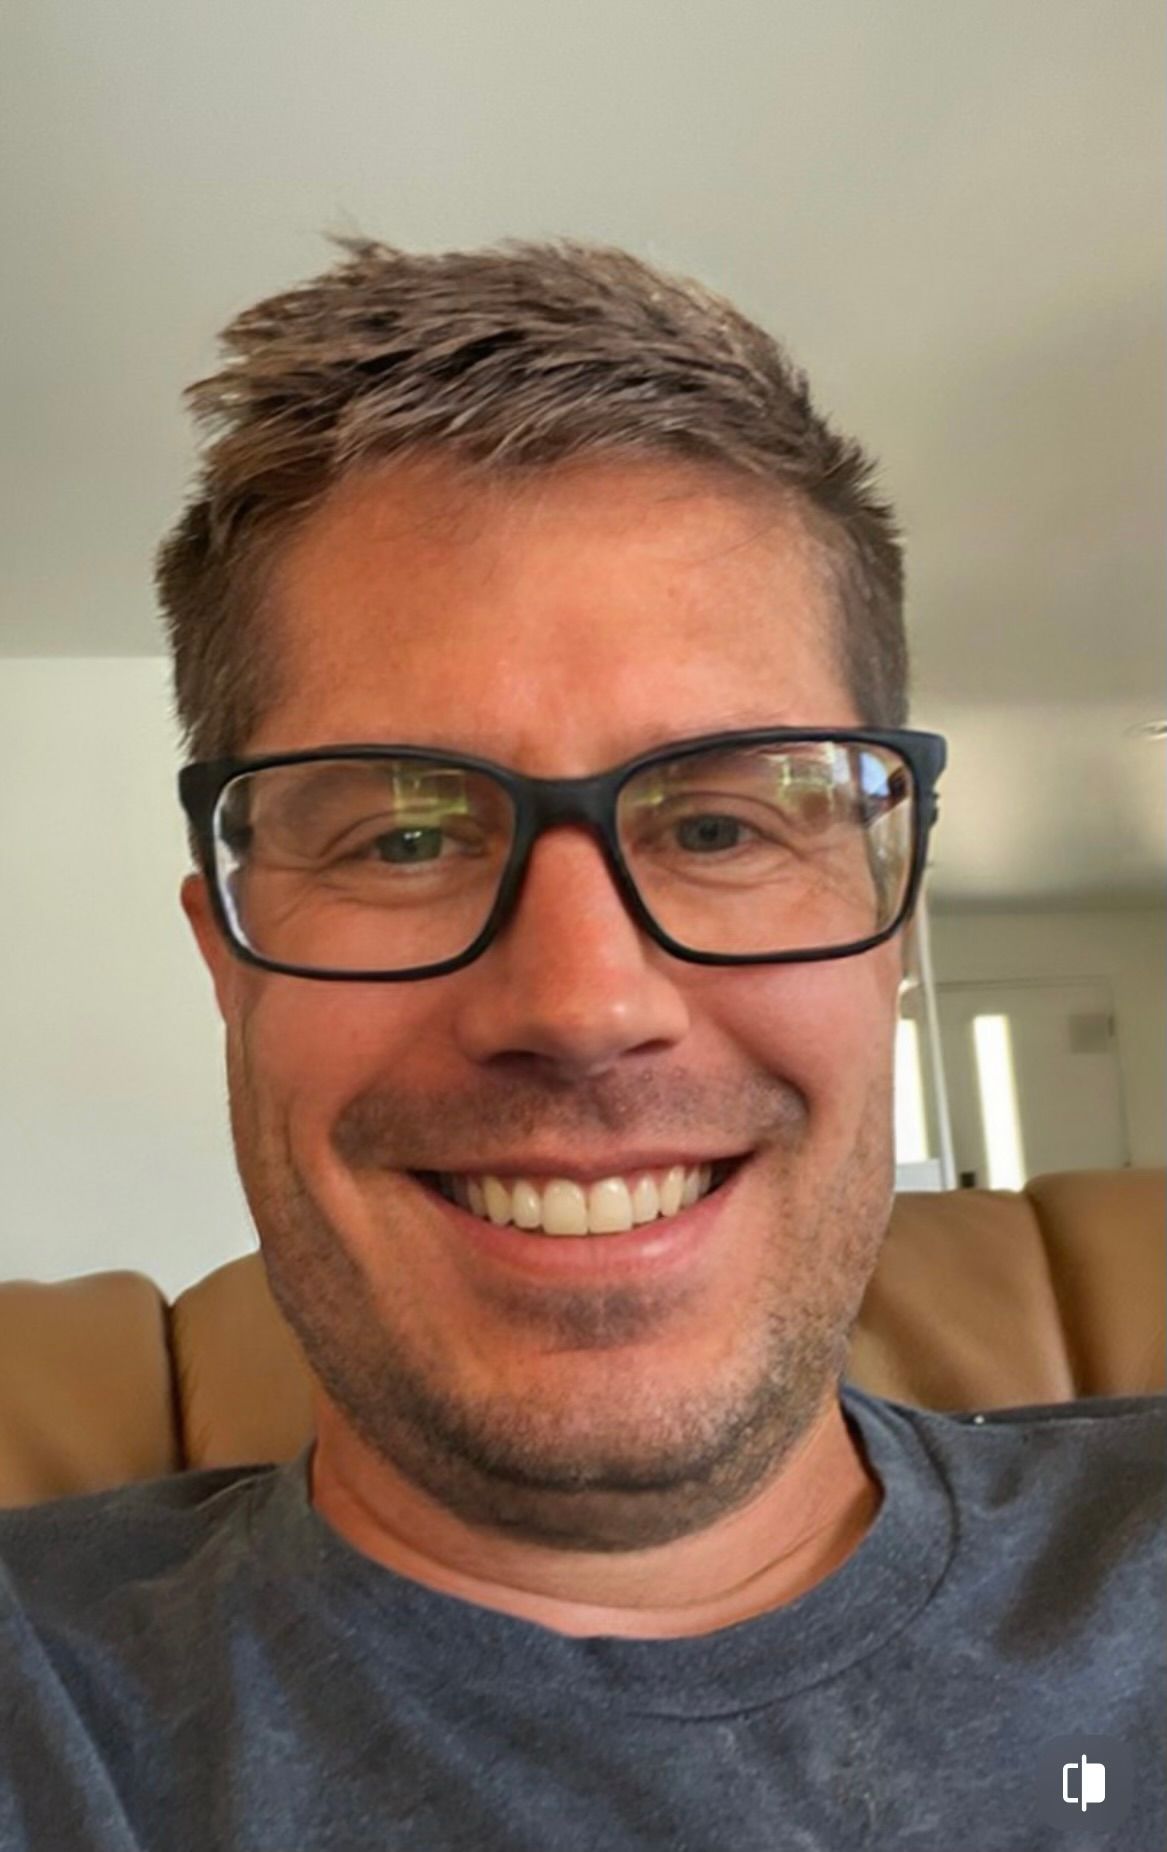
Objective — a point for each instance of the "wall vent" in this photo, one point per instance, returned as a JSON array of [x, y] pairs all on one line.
[[1091, 1033]]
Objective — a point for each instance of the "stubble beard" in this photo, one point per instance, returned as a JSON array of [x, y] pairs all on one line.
[[628, 1476]]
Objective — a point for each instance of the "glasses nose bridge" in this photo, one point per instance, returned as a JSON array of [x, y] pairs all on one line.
[[587, 802], [554, 801]]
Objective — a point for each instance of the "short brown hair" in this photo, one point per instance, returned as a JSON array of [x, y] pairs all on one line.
[[507, 360]]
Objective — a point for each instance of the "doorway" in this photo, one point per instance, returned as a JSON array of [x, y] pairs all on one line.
[[1033, 1079]]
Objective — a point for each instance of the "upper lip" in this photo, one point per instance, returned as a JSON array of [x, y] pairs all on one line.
[[583, 1170]]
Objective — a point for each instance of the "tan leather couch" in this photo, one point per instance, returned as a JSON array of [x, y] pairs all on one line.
[[981, 1299]]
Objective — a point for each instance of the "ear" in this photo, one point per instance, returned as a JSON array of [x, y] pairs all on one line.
[[223, 967]]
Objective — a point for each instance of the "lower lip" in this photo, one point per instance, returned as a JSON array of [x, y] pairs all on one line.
[[653, 1249]]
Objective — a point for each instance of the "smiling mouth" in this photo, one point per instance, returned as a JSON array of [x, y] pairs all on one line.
[[560, 1206]]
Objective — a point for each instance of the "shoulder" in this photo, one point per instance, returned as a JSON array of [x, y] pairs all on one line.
[[1058, 1486], [1118, 1440], [1097, 1423], [1119, 1437], [66, 1555]]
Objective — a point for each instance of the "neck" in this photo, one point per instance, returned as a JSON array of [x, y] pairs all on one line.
[[790, 1536]]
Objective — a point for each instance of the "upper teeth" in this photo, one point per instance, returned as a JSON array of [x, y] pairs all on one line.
[[561, 1207]]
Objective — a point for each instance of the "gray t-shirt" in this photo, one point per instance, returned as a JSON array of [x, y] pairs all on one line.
[[202, 1662]]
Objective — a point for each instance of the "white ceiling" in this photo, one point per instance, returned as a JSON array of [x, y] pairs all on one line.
[[953, 215]]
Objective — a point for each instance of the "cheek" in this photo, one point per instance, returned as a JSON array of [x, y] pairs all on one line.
[[828, 1029], [309, 1049]]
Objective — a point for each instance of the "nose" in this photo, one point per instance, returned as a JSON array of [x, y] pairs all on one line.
[[571, 979]]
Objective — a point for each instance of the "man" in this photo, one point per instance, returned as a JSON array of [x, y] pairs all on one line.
[[540, 652]]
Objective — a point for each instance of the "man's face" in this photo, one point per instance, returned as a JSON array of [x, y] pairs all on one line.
[[586, 1402]]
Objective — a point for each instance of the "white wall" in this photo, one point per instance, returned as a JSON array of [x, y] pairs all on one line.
[[114, 1142], [1127, 947]]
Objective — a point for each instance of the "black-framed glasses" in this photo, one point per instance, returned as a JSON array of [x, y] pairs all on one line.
[[381, 863]]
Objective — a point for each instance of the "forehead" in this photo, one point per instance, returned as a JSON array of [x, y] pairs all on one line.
[[574, 619]]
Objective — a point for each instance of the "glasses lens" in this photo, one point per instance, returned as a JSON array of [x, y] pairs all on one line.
[[763, 849], [361, 864]]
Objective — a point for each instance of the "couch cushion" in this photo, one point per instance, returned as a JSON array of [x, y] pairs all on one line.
[[977, 1302], [980, 1299], [1105, 1232], [86, 1389], [961, 1312], [244, 1388]]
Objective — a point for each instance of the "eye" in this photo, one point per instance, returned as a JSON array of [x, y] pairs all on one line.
[[410, 842], [711, 831]]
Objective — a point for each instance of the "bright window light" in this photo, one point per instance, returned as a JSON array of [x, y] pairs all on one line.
[[911, 1119], [997, 1084]]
